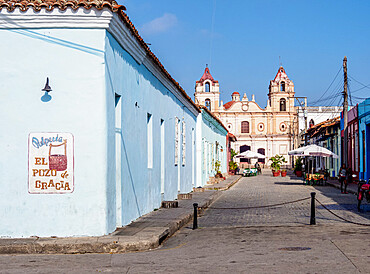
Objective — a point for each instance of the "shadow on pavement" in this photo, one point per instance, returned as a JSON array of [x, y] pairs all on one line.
[[343, 202], [346, 201]]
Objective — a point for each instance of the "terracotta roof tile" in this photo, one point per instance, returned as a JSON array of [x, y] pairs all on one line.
[[206, 76], [316, 129], [281, 74], [49, 5], [228, 104], [325, 123], [152, 55], [214, 117], [232, 137]]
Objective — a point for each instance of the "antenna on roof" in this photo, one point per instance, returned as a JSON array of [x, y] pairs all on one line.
[[206, 65], [280, 63]]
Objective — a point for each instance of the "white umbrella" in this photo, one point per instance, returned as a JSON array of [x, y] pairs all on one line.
[[250, 154], [313, 150], [297, 151]]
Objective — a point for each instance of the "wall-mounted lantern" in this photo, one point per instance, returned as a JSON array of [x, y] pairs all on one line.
[[46, 97], [47, 88]]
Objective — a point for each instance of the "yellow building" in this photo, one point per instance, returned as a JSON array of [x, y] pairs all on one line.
[[269, 131]]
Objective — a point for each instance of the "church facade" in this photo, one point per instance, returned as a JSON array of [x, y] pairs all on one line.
[[271, 130]]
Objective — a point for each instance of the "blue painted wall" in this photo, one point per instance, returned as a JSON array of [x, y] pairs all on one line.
[[87, 68], [142, 93], [210, 131], [364, 131]]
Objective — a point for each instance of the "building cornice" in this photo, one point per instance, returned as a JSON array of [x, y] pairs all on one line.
[[93, 18], [215, 123], [68, 18], [126, 39]]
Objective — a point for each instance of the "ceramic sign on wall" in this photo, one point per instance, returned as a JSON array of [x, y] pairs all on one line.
[[50, 163]]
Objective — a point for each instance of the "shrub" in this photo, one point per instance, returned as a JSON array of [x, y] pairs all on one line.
[[277, 160]]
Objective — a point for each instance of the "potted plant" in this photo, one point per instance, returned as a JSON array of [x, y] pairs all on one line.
[[233, 167], [217, 169], [283, 172], [276, 162], [298, 167]]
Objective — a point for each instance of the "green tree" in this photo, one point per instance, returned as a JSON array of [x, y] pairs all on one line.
[[232, 164]]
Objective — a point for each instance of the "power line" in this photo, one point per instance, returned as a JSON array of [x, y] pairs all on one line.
[[334, 94], [330, 85], [364, 86], [360, 98], [333, 99], [329, 110], [338, 93], [349, 92]]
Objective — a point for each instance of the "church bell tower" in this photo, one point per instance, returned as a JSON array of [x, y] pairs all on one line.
[[281, 93], [207, 91]]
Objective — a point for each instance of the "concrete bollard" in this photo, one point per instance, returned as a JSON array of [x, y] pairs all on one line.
[[313, 208]]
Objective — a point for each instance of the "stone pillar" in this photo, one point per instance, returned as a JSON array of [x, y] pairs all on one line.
[[268, 124], [253, 125]]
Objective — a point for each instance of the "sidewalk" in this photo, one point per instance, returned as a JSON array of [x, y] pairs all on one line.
[[351, 188], [145, 233]]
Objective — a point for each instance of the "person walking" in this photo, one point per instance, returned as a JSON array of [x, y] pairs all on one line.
[[258, 167], [343, 179]]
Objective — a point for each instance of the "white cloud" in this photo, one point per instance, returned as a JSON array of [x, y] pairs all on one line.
[[160, 24]]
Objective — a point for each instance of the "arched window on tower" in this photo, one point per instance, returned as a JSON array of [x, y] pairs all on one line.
[[282, 104], [208, 104], [207, 87], [245, 127], [282, 86], [312, 123]]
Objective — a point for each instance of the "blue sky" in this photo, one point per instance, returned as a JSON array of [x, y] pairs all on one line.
[[242, 41]]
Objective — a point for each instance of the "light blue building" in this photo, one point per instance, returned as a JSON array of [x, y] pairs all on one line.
[[364, 138], [211, 147], [122, 127]]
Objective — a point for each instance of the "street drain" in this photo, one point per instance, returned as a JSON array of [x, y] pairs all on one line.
[[295, 248]]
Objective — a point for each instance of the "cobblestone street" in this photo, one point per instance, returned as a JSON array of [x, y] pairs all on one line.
[[267, 190], [264, 240]]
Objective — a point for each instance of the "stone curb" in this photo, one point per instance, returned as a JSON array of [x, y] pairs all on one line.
[[226, 187], [147, 239]]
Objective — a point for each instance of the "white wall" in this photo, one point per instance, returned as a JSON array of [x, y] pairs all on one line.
[[317, 114], [74, 62]]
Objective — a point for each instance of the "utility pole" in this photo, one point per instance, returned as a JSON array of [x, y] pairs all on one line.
[[305, 120], [304, 109], [345, 113]]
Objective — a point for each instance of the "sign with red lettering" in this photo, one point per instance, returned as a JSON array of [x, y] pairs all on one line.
[[50, 163]]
